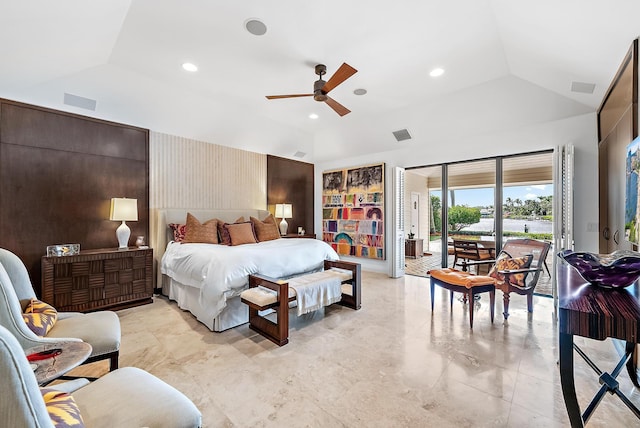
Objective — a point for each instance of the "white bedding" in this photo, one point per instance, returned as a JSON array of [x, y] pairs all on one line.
[[221, 272]]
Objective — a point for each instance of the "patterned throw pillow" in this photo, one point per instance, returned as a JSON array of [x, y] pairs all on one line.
[[196, 232], [40, 317], [267, 229], [62, 408], [223, 233], [241, 233], [179, 231], [506, 262]]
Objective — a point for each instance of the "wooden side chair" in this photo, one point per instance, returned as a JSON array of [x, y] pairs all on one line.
[[517, 269]]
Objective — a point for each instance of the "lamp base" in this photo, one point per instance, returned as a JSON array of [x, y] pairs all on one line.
[[123, 233], [283, 227]]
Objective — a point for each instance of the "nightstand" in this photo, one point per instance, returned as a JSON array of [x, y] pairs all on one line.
[[295, 235], [413, 248], [98, 279]]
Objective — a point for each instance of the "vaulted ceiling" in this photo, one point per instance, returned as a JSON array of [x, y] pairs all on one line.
[[498, 56]]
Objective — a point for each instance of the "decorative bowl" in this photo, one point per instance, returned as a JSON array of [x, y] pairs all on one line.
[[616, 270]]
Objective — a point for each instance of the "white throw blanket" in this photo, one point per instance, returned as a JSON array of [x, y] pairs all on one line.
[[316, 290]]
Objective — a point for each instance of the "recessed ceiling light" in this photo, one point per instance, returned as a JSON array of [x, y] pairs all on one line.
[[436, 72], [360, 91], [255, 27], [313, 116], [189, 67]]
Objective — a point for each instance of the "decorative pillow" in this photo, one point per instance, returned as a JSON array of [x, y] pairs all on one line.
[[225, 239], [267, 229], [506, 262], [62, 408], [197, 232], [40, 317], [179, 231], [241, 233]]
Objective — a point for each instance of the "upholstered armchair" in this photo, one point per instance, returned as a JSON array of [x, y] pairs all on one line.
[[127, 397], [100, 329]]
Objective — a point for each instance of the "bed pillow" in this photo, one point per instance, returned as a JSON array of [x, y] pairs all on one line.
[[179, 231], [40, 317], [223, 233], [241, 233], [506, 262], [267, 229], [62, 408], [196, 232]]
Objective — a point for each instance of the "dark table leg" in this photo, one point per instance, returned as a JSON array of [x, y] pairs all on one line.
[[632, 363], [567, 381]]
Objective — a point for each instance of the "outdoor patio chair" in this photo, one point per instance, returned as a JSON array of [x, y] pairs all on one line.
[[467, 250]]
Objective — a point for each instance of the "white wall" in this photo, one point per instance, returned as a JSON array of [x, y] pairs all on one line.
[[578, 130]]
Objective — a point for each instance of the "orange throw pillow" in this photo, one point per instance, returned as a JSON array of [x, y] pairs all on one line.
[[196, 232], [225, 239], [241, 233], [267, 229]]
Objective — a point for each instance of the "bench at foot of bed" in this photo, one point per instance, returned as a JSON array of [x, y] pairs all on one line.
[[268, 293]]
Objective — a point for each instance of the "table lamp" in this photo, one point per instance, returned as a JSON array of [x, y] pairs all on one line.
[[284, 211], [123, 209]]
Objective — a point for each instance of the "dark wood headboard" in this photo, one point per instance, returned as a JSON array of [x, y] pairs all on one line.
[[58, 173]]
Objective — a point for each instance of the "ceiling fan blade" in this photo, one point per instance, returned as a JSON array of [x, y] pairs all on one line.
[[339, 108], [275, 97], [343, 73]]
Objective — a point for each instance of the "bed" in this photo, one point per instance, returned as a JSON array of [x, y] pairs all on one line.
[[207, 279]]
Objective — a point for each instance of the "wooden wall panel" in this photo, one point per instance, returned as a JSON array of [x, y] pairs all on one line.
[[290, 181], [58, 172]]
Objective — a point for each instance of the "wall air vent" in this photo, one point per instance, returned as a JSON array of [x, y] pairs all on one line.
[[583, 88], [81, 102], [402, 135]]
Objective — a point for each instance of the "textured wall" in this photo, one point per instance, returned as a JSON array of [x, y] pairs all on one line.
[[186, 173]]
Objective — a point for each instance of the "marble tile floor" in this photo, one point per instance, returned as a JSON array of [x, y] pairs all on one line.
[[391, 364]]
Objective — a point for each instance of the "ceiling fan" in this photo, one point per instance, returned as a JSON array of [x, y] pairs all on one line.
[[322, 88]]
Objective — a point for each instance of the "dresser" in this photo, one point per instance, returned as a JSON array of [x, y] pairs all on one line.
[[98, 279]]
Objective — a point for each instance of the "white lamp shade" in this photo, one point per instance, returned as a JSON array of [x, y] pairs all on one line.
[[284, 211], [123, 209]]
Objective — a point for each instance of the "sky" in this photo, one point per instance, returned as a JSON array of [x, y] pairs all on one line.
[[481, 197]]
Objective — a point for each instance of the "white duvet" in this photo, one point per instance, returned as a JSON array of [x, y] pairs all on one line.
[[221, 271]]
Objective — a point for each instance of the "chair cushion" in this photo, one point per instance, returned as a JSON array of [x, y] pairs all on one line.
[[456, 277], [99, 329], [130, 397], [40, 317], [506, 262], [62, 409]]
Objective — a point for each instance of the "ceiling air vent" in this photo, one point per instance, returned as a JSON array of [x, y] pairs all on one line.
[[583, 88], [82, 102], [402, 135], [300, 154]]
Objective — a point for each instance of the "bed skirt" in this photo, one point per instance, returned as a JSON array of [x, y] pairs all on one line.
[[188, 298]]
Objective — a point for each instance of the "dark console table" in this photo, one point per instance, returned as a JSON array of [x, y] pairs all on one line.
[[595, 313]]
